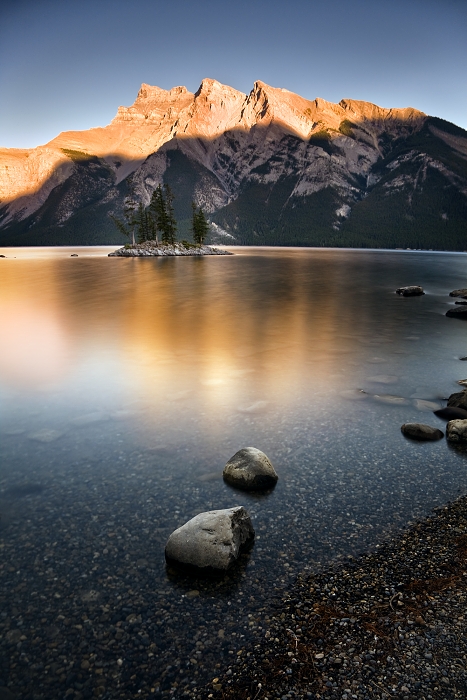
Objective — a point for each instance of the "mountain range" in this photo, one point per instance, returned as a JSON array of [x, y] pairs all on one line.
[[268, 168]]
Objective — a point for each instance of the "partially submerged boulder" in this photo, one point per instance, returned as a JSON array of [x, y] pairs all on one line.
[[457, 312], [451, 413], [459, 293], [250, 470], [210, 540], [412, 291], [458, 400], [456, 431], [420, 431]]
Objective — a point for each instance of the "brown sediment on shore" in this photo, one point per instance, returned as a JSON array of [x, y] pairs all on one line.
[[153, 249], [391, 623]]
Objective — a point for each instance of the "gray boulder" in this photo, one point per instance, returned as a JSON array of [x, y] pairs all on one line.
[[457, 312], [420, 431], [456, 431], [413, 291], [210, 540], [458, 400], [250, 470], [459, 293]]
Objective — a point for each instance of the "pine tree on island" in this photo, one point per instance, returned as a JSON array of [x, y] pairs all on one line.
[[199, 226], [147, 222]]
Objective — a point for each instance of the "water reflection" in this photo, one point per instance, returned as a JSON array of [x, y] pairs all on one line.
[[126, 385]]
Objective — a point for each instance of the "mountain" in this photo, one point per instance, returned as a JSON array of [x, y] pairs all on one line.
[[269, 168]]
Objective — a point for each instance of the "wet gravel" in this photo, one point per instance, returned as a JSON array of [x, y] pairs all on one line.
[[387, 624]]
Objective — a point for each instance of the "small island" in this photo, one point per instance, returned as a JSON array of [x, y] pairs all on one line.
[[144, 223], [152, 248]]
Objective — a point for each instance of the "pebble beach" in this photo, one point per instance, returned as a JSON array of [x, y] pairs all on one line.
[[391, 623]]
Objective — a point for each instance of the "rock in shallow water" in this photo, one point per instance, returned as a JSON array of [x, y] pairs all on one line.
[[458, 400], [250, 470], [451, 412], [413, 291], [459, 293], [456, 431], [420, 431], [211, 540], [458, 312]]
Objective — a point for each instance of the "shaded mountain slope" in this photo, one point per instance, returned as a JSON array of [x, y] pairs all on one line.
[[269, 168]]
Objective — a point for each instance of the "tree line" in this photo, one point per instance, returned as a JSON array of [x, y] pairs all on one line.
[[156, 221]]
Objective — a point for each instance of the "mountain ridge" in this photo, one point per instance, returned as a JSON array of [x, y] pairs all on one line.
[[233, 154]]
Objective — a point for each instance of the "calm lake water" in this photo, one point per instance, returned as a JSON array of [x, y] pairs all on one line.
[[127, 384]]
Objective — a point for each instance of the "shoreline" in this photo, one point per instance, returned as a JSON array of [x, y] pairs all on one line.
[[389, 623]]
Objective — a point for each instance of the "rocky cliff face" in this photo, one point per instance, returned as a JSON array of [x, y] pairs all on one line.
[[270, 168]]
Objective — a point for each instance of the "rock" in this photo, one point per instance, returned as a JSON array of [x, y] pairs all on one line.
[[390, 399], [463, 358], [459, 293], [413, 291], [462, 382], [250, 470], [2, 256], [456, 431], [457, 312], [74, 255], [211, 540], [461, 302], [458, 400], [46, 435], [422, 405], [451, 412], [420, 431]]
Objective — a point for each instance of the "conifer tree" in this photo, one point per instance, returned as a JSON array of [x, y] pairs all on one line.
[[170, 232], [199, 226]]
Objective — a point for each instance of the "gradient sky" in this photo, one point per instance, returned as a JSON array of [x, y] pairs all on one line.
[[69, 64]]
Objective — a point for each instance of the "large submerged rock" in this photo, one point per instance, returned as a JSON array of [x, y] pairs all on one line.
[[420, 431], [412, 291], [456, 431], [250, 470], [211, 540]]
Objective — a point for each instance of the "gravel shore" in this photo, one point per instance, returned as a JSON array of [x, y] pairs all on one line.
[[387, 624]]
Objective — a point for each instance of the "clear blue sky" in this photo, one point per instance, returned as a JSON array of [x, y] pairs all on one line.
[[68, 64]]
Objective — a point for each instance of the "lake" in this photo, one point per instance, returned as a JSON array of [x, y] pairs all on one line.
[[125, 387]]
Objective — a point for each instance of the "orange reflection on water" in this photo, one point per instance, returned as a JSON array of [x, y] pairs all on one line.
[[34, 347]]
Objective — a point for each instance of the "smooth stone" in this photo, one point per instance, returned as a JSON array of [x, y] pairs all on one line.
[[389, 399], [459, 293], [462, 382], [456, 431], [458, 312], [412, 291], [458, 400], [451, 413], [420, 431], [250, 470], [423, 405], [211, 540], [46, 435]]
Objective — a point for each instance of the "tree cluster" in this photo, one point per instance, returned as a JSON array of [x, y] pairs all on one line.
[[147, 223], [158, 219]]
